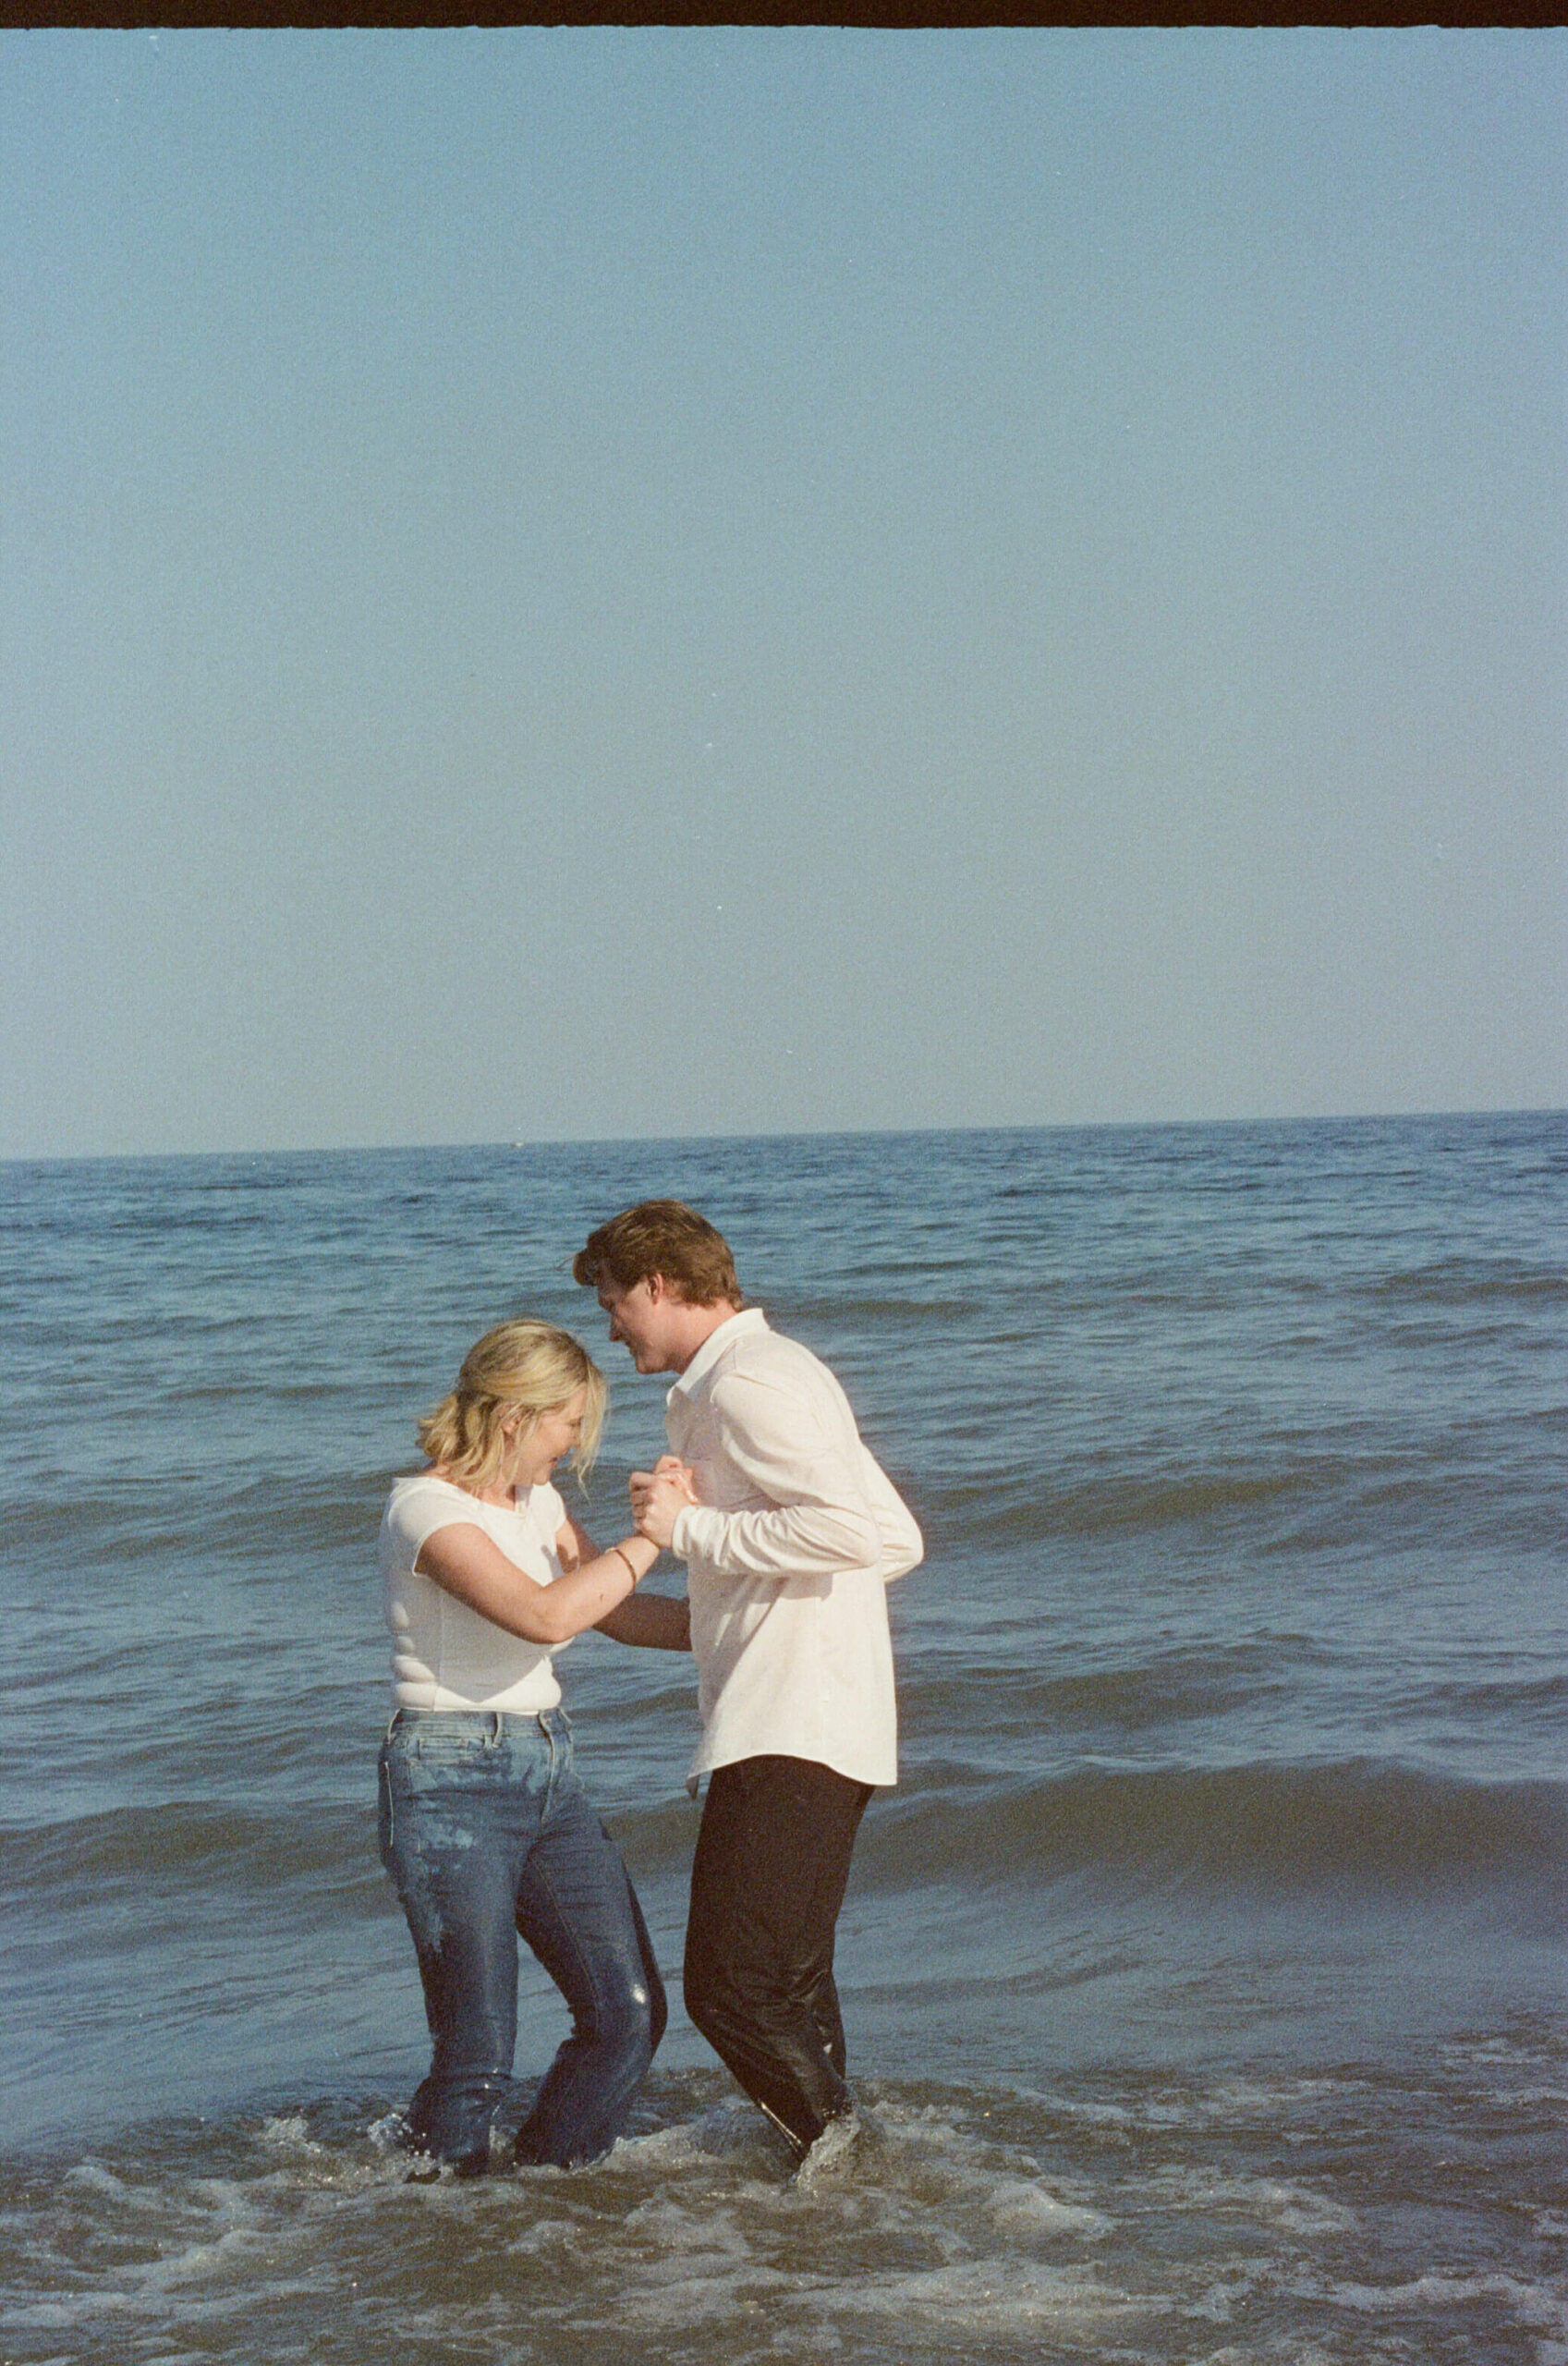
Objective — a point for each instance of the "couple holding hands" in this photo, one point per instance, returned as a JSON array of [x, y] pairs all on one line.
[[790, 1533]]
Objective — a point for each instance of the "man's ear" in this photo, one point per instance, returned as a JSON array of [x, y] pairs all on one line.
[[657, 1288]]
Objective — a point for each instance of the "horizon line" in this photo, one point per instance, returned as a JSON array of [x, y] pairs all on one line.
[[805, 1133]]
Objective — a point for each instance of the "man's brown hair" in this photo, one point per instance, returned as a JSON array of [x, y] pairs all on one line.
[[660, 1237]]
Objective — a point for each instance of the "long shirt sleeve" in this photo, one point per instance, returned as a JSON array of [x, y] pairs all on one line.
[[789, 1551], [817, 1519]]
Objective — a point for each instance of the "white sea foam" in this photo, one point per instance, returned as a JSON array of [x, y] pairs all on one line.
[[980, 2298], [91, 2177], [1532, 2304], [729, 2132], [1267, 2201], [1028, 2210], [290, 2131], [987, 2228], [1233, 2285]]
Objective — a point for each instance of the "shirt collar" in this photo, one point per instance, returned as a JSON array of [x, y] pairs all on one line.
[[733, 1326]]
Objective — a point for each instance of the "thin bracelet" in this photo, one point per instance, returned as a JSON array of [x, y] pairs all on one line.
[[628, 1559]]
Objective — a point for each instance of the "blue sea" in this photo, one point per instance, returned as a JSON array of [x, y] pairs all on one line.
[[1205, 1969]]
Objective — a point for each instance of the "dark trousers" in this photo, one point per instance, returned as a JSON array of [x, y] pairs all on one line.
[[767, 1882]]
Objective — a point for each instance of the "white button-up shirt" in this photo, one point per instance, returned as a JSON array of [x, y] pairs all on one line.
[[789, 1552]]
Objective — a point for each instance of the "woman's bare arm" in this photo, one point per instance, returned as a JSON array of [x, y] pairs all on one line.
[[658, 1622], [468, 1564]]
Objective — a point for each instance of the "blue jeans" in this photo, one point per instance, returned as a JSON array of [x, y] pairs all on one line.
[[487, 1833]]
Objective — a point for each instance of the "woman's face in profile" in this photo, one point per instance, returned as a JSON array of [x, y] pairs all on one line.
[[541, 1447]]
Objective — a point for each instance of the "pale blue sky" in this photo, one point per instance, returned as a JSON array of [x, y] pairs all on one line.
[[570, 583]]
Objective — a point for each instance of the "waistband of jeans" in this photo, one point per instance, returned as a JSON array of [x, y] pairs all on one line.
[[491, 1725]]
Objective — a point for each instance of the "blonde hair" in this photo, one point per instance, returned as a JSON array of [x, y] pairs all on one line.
[[519, 1366]]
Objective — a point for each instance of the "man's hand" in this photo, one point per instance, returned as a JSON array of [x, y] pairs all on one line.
[[658, 1496], [669, 1466]]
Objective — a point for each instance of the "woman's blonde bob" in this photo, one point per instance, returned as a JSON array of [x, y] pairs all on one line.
[[520, 1367]]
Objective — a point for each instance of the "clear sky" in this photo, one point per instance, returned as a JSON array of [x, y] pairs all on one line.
[[627, 582]]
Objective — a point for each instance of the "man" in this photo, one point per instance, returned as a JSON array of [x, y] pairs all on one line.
[[790, 1535]]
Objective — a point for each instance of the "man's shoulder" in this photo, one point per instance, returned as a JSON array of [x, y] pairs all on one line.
[[766, 1354], [767, 1364]]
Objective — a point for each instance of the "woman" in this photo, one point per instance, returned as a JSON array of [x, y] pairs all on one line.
[[484, 1827]]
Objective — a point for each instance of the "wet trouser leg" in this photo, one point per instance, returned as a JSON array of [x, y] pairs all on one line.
[[486, 1832], [767, 1882], [579, 1912]]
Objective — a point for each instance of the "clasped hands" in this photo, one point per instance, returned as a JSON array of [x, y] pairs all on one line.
[[658, 1496]]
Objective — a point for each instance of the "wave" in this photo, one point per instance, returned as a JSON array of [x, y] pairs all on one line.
[[1386, 1495], [151, 1521], [1462, 1281], [1518, 1699], [184, 1847], [1193, 1680], [843, 1312], [249, 1855], [1362, 1825], [1121, 1503]]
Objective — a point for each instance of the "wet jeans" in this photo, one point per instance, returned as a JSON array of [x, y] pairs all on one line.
[[767, 1882], [487, 1833]]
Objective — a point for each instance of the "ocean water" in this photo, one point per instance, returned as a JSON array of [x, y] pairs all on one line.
[[1205, 1969]]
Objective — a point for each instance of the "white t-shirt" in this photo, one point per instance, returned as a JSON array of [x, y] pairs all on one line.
[[445, 1655]]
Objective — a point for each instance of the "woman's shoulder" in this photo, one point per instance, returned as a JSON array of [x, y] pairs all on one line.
[[420, 1488], [426, 1497], [422, 1501], [410, 1482]]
